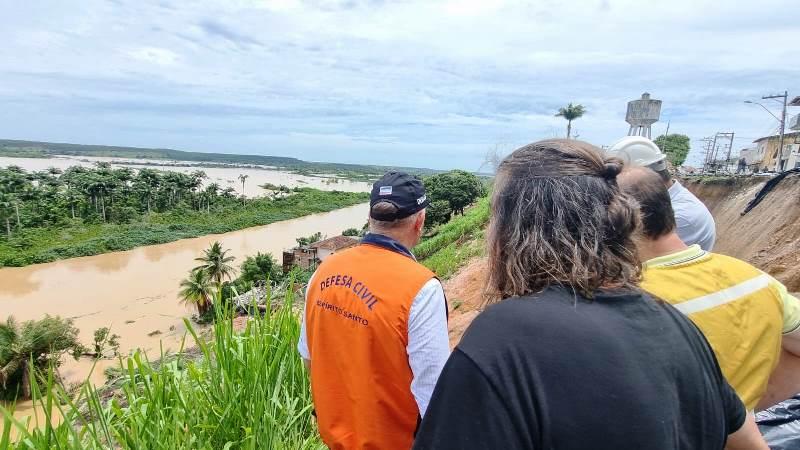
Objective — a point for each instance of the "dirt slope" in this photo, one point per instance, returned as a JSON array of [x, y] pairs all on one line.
[[768, 236], [465, 297]]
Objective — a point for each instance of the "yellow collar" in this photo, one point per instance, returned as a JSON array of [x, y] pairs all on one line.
[[692, 253]]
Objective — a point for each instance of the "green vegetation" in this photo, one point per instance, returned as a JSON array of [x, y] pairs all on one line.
[[51, 215], [212, 278], [34, 345], [449, 259], [24, 153], [351, 232], [247, 390], [256, 269], [569, 113], [348, 171], [676, 147], [308, 240], [105, 340], [449, 193], [455, 242], [101, 195]]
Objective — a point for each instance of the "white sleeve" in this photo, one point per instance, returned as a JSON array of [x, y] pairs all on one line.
[[428, 343], [302, 344]]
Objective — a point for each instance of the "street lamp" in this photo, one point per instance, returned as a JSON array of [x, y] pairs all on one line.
[[765, 109], [782, 120]]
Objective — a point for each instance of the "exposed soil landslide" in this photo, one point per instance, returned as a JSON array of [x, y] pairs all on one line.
[[768, 235]]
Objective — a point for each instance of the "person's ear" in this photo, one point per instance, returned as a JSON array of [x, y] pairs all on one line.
[[420, 223]]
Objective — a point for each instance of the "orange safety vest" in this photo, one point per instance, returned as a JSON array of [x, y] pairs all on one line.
[[357, 309]]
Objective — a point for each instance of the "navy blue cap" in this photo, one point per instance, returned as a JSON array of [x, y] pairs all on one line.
[[405, 192]]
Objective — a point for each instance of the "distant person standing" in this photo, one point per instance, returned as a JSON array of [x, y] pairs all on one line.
[[742, 167], [573, 355], [374, 333], [695, 225], [746, 315]]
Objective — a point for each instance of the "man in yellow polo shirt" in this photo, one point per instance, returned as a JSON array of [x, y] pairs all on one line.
[[746, 315]]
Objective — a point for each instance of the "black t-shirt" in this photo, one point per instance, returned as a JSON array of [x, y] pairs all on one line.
[[556, 371]]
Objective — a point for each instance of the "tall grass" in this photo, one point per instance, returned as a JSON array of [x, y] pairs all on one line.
[[248, 390], [473, 220], [448, 260]]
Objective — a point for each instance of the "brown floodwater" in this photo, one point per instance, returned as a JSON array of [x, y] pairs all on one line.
[[135, 292]]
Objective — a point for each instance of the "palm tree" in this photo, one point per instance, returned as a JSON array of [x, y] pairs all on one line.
[[571, 112], [97, 188], [211, 192], [197, 178], [242, 178], [147, 182], [42, 342], [123, 177], [196, 290], [215, 263], [14, 198], [5, 211], [72, 198]]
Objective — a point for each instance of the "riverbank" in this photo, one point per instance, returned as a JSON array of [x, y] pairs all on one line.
[[41, 245]]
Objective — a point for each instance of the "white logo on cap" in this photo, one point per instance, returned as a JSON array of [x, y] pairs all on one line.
[[422, 199], [385, 190]]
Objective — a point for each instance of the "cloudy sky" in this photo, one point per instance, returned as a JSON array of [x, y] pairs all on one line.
[[420, 83]]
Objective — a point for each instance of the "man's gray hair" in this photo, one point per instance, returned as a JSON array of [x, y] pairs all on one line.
[[383, 226]]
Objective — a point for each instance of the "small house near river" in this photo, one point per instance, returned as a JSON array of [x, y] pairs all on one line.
[[309, 256]]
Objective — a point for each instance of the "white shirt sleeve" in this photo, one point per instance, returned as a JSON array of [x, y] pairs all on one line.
[[428, 343], [302, 344]]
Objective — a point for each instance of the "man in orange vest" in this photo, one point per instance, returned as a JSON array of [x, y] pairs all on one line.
[[374, 333]]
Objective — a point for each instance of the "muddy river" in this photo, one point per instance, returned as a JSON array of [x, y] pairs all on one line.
[[135, 292]]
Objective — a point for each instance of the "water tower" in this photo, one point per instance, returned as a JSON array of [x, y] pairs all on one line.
[[641, 114]]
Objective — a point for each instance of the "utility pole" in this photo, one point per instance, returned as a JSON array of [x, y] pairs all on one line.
[[708, 153], [785, 97], [730, 148], [721, 141], [714, 149]]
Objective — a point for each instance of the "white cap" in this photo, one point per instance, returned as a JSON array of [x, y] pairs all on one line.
[[639, 151]]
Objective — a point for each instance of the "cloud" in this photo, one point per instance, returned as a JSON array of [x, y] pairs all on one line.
[[154, 55], [218, 30], [412, 82]]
